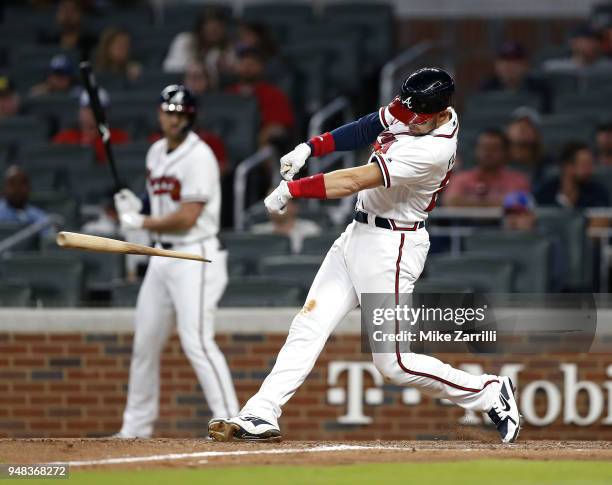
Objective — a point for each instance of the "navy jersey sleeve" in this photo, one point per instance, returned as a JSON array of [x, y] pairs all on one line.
[[358, 134]]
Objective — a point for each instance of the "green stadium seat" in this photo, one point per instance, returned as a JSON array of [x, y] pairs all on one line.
[[500, 102], [23, 130], [262, 292], [301, 269], [530, 253], [483, 273], [319, 245], [14, 293], [125, 294], [441, 285], [570, 227], [248, 249], [8, 229], [55, 280]]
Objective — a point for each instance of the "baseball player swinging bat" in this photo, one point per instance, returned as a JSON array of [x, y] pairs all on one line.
[[74, 240], [89, 82]]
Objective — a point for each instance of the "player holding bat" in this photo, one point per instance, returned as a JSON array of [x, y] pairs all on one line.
[[184, 190]]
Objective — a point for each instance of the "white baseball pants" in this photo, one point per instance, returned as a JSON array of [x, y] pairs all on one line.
[[186, 292], [365, 259]]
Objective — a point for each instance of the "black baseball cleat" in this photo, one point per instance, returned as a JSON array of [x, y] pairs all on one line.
[[244, 428], [505, 413]]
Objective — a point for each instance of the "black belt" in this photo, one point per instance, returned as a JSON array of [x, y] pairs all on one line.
[[390, 224], [164, 245]]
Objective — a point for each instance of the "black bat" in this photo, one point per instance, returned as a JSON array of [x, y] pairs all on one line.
[[89, 81]]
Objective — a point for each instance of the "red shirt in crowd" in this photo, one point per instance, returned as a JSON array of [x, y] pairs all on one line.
[[77, 137], [215, 143], [485, 188], [274, 105]]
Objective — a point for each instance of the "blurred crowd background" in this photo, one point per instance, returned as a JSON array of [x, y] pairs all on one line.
[[526, 210]]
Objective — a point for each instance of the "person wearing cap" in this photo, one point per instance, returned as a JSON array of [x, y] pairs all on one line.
[[511, 74], [10, 101], [487, 184], [586, 53], [86, 132], [60, 78]]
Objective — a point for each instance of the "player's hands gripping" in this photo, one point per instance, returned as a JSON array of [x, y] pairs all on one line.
[[276, 202], [292, 162], [126, 201]]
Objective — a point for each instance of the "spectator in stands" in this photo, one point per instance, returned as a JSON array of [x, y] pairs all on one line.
[[60, 78], [113, 55], [511, 74], [490, 181], [86, 133], [526, 150], [603, 143], [290, 225], [15, 207], [252, 35], [574, 187], [10, 102], [277, 118], [69, 33], [208, 43], [197, 79], [586, 48]]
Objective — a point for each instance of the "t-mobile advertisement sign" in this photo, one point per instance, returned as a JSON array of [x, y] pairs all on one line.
[[484, 323]]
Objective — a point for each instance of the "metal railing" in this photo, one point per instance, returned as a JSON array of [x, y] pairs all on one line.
[[389, 71], [240, 182], [28, 232]]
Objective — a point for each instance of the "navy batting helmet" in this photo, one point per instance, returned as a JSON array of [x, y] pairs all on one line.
[[424, 93], [176, 98]]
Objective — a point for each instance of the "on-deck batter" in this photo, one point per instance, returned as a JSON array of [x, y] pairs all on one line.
[[184, 191], [382, 251]]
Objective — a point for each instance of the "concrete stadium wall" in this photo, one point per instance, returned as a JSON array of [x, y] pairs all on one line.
[[65, 373]]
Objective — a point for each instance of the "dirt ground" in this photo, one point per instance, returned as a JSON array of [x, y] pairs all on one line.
[[172, 453]]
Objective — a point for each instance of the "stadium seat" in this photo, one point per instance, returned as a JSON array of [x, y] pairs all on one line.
[[8, 229], [441, 285], [248, 249], [559, 129], [530, 253], [275, 12], [125, 294], [262, 292], [58, 204], [55, 280], [570, 227], [23, 130], [319, 245], [499, 102], [483, 273], [301, 269], [14, 293]]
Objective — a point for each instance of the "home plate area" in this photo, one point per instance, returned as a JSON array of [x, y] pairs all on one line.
[[189, 453]]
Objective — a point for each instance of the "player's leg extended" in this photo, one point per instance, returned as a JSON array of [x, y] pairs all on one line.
[[153, 322], [196, 291], [330, 298], [397, 260]]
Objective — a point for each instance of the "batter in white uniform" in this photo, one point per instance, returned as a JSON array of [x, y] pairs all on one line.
[[382, 251], [185, 196]]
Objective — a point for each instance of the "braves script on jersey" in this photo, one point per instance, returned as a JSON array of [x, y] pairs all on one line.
[[189, 173], [415, 169]]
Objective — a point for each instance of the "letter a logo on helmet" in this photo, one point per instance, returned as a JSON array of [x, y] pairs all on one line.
[[424, 93]]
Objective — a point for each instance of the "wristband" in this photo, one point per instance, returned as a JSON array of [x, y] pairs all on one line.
[[322, 144], [312, 187]]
